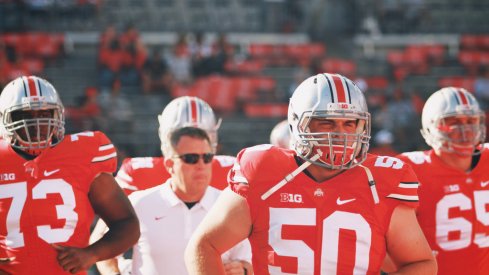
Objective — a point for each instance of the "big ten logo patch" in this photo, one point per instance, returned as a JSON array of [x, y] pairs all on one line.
[[287, 197]]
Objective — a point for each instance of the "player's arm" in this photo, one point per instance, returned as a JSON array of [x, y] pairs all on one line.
[[114, 208], [226, 224], [406, 244], [239, 261], [108, 266]]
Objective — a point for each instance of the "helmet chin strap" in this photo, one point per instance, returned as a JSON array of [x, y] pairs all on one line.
[[289, 177]]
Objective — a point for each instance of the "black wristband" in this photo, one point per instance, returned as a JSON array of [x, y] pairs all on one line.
[[245, 271]]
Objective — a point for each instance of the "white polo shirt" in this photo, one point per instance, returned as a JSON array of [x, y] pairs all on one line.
[[166, 227]]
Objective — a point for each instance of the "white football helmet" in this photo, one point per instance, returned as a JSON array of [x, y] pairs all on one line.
[[329, 96], [280, 135], [453, 102], [188, 111], [24, 130]]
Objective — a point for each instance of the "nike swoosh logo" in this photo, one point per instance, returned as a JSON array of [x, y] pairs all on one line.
[[341, 202], [159, 218], [484, 183], [49, 173]]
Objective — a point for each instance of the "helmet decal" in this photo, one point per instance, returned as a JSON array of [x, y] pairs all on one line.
[[340, 92], [194, 111], [460, 97]]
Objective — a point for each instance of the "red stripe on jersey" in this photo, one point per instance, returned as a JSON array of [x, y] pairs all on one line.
[[340, 90], [32, 87], [463, 98], [193, 111]]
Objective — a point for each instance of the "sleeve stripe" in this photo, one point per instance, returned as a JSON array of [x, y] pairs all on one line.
[[240, 179], [409, 185], [125, 185], [104, 158], [122, 175], [403, 197], [106, 147]]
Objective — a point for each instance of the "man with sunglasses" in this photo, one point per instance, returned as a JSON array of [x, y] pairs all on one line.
[[454, 191], [141, 173], [326, 207], [187, 111], [170, 212]]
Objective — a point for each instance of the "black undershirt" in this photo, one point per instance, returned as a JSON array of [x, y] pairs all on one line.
[[190, 204], [475, 160]]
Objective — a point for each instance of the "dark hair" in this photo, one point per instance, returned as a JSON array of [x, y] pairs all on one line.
[[175, 135]]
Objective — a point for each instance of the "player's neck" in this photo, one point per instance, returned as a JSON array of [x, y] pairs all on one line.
[[456, 161], [320, 174], [23, 154]]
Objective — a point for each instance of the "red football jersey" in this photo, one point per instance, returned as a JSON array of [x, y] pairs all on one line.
[[332, 227], [45, 200], [143, 173], [454, 212]]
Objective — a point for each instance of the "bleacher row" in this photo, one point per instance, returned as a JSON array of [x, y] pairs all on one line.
[[226, 94], [35, 44], [247, 90], [30, 52]]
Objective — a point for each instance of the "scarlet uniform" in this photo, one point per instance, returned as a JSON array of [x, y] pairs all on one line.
[[45, 200], [334, 227], [143, 173], [454, 212]]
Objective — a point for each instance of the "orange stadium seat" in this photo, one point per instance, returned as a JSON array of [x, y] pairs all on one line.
[[457, 81], [266, 109]]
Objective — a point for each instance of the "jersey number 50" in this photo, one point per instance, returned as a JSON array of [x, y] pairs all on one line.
[[331, 231]]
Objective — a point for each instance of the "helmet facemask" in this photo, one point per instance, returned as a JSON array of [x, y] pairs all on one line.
[[35, 127], [337, 104], [336, 150], [460, 138]]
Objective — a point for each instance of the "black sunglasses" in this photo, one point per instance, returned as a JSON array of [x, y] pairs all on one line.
[[194, 158]]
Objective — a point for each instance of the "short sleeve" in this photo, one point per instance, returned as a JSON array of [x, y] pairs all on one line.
[[104, 158]]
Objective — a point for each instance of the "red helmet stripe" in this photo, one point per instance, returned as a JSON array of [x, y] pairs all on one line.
[[193, 111], [32, 86], [463, 98], [340, 89]]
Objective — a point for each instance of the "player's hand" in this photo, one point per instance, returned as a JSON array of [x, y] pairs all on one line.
[[234, 268], [73, 259], [7, 260]]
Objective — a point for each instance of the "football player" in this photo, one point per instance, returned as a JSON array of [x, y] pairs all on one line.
[[145, 172], [51, 184], [326, 207], [280, 135], [454, 191]]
